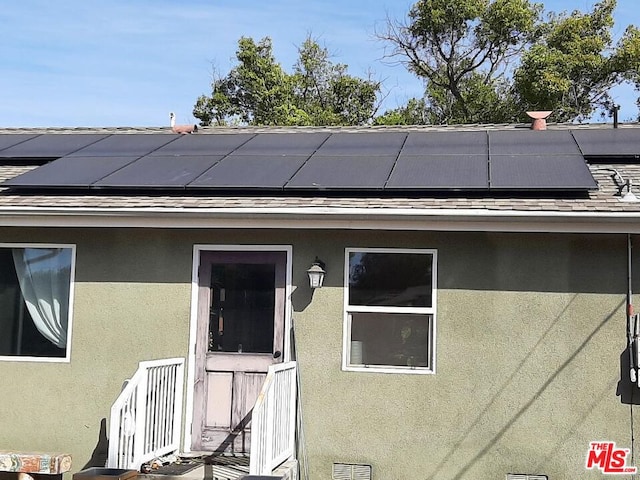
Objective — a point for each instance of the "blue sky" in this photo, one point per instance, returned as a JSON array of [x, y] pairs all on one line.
[[131, 62]]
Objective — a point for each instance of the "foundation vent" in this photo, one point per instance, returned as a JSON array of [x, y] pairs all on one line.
[[520, 476], [347, 471]]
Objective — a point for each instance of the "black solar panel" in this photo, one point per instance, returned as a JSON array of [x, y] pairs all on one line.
[[363, 144], [446, 143], [537, 172], [282, 144], [342, 161], [70, 172], [441, 172], [343, 172], [130, 144], [525, 142], [50, 145], [159, 172], [255, 171], [618, 142], [218, 144], [8, 140]]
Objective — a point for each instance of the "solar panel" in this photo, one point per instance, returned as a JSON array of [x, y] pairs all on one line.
[[362, 144], [70, 172], [360, 161], [442, 172], [255, 171], [282, 144], [343, 172], [126, 145], [524, 142], [50, 145], [614, 142], [159, 172], [194, 145], [539, 172], [7, 141], [446, 143]]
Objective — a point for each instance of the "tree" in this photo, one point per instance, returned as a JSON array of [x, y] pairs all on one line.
[[415, 112], [257, 91], [491, 60], [327, 93], [463, 50], [573, 67], [628, 54]]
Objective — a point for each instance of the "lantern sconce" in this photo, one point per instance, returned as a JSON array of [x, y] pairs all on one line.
[[316, 273]]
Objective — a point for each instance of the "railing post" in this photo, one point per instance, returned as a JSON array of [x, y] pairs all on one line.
[[293, 407], [269, 428], [140, 416], [113, 459], [177, 406]]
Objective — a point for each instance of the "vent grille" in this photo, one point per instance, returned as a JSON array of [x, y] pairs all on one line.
[[347, 471], [520, 476]]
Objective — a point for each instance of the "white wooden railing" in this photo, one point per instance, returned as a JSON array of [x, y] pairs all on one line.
[[273, 420], [146, 417]]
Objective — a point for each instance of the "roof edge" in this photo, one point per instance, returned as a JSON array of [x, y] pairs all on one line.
[[310, 129], [326, 218]]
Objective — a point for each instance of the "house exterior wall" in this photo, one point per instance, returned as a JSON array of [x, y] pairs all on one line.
[[530, 331]]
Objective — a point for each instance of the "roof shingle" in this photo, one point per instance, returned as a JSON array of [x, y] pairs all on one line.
[[605, 199]]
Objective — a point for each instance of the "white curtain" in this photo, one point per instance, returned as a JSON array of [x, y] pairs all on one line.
[[44, 275]]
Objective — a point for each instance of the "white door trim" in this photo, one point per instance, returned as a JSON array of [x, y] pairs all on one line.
[[193, 317]]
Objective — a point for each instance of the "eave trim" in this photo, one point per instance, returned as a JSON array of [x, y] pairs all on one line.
[[325, 218]]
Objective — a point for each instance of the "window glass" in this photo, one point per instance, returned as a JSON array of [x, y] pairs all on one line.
[[390, 339], [242, 308], [35, 288], [390, 314], [390, 279]]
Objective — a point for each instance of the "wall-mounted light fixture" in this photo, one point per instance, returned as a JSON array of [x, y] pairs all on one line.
[[316, 273]]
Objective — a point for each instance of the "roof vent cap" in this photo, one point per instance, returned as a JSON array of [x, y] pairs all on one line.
[[182, 129], [628, 197], [539, 120]]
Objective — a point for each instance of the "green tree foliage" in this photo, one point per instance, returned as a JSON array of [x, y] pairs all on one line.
[[463, 49], [257, 91], [491, 60], [415, 112], [574, 65]]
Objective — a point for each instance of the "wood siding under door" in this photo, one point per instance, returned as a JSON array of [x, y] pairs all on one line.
[[240, 332]]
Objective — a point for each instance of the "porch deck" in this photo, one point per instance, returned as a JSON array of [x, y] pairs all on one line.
[[219, 467]]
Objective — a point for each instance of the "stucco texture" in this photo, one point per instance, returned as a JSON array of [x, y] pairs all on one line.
[[530, 329], [132, 297]]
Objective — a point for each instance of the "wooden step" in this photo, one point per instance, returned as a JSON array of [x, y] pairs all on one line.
[[227, 466]]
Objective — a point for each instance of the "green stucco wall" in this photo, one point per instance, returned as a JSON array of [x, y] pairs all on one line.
[[530, 331]]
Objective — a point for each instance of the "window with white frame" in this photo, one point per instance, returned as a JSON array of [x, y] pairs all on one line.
[[390, 307], [35, 294]]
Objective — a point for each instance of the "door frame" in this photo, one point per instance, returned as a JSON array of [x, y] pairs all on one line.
[[193, 317]]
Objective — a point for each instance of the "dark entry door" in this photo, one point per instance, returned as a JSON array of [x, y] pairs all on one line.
[[241, 305]]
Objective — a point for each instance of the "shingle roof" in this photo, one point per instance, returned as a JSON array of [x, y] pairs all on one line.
[[605, 199], [308, 129]]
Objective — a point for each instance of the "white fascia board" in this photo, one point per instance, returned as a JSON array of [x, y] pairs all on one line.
[[327, 218]]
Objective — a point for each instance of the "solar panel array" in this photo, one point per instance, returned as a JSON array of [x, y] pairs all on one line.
[[611, 143], [376, 160]]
